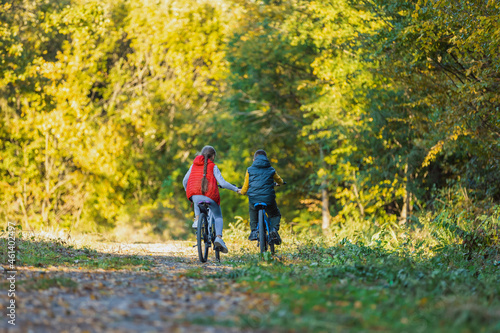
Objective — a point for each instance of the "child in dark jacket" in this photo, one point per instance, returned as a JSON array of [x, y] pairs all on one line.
[[259, 186]]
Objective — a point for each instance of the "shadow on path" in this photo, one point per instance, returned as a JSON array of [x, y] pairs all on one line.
[[120, 288]]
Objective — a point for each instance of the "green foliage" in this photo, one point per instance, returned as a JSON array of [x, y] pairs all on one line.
[[376, 106], [112, 114], [396, 279], [440, 55]]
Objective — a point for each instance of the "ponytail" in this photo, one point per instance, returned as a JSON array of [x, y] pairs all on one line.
[[204, 181], [207, 152]]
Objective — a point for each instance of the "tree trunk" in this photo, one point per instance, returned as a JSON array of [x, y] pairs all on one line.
[[406, 210], [46, 199], [325, 207], [325, 202], [356, 194]]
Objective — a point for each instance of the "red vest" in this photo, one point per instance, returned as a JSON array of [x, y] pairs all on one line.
[[194, 181]]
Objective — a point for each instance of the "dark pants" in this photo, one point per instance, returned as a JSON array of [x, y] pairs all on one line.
[[273, 213]]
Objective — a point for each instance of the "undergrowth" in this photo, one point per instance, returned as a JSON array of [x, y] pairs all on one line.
[[439, 273]]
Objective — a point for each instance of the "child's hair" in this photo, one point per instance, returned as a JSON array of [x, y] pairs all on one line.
[[260, 152], [207, 152]]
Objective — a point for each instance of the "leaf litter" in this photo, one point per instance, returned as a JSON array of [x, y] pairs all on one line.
[[173, 293]]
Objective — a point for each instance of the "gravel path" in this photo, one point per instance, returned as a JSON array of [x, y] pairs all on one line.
[[166, 298]]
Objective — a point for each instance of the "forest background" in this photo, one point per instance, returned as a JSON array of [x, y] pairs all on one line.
[[376, 113]]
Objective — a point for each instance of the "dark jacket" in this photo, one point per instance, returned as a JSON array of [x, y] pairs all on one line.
[[260, 181]]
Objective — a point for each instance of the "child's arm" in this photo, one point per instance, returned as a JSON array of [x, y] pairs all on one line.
[[244, 189], [278, 179], [222, 182], [186, 178]]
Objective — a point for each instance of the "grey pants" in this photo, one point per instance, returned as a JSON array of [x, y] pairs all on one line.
[[214, 209]]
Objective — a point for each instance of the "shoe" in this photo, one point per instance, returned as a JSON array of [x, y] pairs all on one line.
[[195, 223], [254, 235], [219, 243], [275, 237]]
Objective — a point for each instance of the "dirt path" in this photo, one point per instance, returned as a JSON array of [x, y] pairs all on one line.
[[175, 295]]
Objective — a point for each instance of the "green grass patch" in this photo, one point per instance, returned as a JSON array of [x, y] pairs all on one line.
[[46, 283], [120, 262], [42, 283], [193, 273], [358, 288], [43, 253], [208, 287]]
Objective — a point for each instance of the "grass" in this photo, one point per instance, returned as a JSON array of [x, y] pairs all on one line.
[[56, 252], [46, 283], [193, 273], [374, 290], [428, 277], [42, 283], [438, 274]]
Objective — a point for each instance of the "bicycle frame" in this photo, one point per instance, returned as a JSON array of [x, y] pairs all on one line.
[[267, 237], [208, 237], [265, 215], [210, 216]]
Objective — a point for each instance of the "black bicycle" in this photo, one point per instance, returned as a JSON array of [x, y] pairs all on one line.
[[263, 228], [205, 233]]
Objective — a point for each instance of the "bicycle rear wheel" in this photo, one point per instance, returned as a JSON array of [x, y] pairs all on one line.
[[213, 236], [202, 240], [262, 232]]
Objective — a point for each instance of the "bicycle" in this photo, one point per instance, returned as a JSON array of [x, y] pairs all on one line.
[[265, 239], [263, 225], [205, 233]]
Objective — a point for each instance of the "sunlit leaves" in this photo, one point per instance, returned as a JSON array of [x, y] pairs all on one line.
[[117, 92]]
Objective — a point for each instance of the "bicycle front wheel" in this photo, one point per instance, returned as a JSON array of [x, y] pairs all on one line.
[[202, 240], [262, 232]]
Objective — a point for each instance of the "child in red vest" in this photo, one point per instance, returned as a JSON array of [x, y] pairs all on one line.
[[200, 183]]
